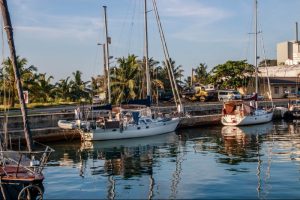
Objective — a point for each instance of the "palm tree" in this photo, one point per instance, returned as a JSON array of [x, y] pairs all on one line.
[[43, 88], [78, 87], [177, 71], [63, 88], [8, 77], [156, 83], [123, 84], [201, 73]]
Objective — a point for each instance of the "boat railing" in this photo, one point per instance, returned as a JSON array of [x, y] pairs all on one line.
[[31, 161]]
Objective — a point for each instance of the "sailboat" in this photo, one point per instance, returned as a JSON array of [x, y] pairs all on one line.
[[133, 121], [236, 113], [19, 167]]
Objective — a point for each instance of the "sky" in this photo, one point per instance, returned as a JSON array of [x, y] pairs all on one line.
[[61, 36]]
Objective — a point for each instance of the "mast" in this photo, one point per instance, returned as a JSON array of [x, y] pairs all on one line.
[[146, 52], [297, 32], [107, 58], [167, 58], [13, 57], [255, 48]]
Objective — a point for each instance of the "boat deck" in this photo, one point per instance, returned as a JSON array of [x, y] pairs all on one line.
[[17, 174]]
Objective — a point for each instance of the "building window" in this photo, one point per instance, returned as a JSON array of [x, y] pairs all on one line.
[[285, 90], [276, 90], [293, 90]]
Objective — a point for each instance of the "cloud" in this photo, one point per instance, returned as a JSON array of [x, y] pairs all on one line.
[[56, 33], [60, 27], [29, 18], [192, 8], [194, 17]]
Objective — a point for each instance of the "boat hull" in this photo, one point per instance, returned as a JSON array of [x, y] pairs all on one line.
[[238, 120], [64, 124], [132, 131]]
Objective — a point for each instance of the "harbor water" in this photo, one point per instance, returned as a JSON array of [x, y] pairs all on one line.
[[212, 162]]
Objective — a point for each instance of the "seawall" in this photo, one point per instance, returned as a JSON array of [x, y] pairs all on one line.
[[44, 125]]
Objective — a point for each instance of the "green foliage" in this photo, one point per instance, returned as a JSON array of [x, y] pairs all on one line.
[[201, 74], [164, 76], [267, 63], [232, 74], [127, 79], [39, 85], [124, 81], [8, 85], [78, 88]]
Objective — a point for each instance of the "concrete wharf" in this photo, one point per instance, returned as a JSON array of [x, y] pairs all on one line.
[[44, 123]]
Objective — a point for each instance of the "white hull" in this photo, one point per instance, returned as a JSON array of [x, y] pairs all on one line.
[[258, 117], [131, 131], [64, 124], [131, 142]]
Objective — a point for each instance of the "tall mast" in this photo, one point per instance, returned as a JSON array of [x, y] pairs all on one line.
[[167, 58], [146, 52], [255, 49], [13, 57], [105, 72], [107, 58]]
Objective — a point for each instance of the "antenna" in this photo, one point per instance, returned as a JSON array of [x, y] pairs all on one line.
[[296, 32]]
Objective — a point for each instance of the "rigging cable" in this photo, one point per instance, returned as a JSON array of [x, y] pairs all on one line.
[[267, 71], [167, 58]]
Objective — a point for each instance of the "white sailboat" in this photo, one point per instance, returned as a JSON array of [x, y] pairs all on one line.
[[236, 113], [132, 123]]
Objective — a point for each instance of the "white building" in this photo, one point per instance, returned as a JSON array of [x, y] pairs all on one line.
[[288, 53], [283, 79]]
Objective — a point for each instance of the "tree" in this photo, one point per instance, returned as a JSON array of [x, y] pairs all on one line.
[[8, 77], [232, 74], [63, 88], [201, 74], [78, 87], [43, 89], [267, 63], [156, 83], [123, 83], [164, 76]]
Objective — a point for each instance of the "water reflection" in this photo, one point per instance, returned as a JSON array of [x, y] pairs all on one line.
[[206, 162], [125, 159], [235, 145]]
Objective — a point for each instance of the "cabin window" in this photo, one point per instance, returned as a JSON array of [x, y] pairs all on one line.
[[276, 90]]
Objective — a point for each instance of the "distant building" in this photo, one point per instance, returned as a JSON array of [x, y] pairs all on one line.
[[285, 77], [284, 80], [288, 53]]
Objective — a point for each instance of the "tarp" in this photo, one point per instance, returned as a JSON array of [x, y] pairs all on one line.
[[146, 102], [102, 107]]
